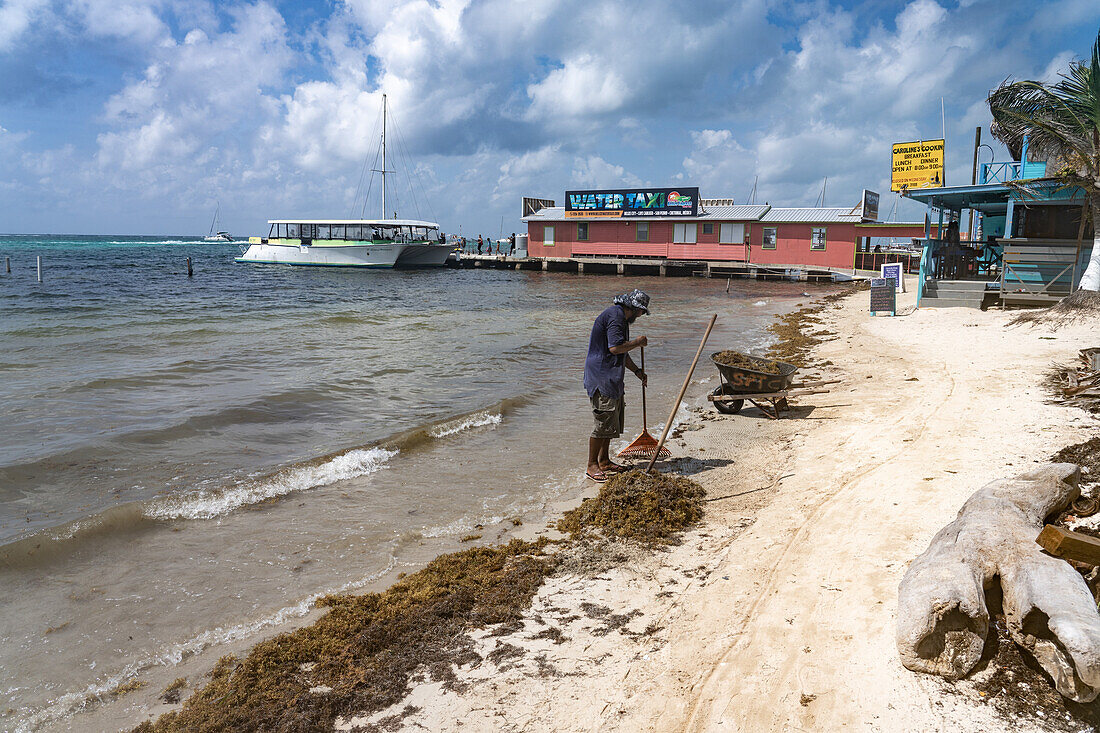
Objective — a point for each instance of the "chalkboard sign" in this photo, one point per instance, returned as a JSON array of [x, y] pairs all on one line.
[[883, 296]]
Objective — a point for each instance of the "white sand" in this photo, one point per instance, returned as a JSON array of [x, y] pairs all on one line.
[[778, 614]]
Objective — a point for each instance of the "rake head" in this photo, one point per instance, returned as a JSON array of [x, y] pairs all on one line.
[[644, 446]]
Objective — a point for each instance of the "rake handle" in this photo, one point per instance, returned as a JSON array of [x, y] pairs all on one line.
[[680, 397], [645, 428]]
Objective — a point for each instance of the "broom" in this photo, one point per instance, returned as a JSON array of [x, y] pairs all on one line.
[[645, 445]]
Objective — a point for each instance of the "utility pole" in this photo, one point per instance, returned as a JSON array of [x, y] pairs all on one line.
[[943, 132], [974, 177]]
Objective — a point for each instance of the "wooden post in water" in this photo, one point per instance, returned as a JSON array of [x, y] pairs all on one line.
[[7, 262], [39, 259], [190, 272]]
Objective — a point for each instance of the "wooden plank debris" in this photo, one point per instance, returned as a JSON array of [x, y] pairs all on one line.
[[1080, 383], [1070, 545]]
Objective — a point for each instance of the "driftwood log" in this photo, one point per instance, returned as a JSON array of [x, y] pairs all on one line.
[[943, 619]]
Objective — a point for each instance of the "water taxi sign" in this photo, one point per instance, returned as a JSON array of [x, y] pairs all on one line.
[[917, 164], [634, 202]]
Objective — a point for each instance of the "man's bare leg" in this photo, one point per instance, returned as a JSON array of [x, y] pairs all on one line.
[[606, 464], [596, 447]]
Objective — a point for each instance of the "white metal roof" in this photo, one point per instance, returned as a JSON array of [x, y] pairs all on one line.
[[810, 215], [742, 212], [374, 222]]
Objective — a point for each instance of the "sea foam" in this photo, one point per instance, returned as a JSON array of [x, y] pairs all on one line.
[[476, 420], [211, 504]]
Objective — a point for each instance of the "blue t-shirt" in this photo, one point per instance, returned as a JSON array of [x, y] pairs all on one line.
[[603, 370]]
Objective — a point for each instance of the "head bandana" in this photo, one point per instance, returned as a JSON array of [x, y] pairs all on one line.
[[634, 299]]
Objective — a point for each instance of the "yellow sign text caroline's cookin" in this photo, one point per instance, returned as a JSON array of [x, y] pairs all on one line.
[[917, 164]]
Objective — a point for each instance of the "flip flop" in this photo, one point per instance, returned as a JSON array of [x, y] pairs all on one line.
[[599, 477], [617, 468]]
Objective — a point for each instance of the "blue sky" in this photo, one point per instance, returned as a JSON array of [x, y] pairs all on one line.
[[137, 116]]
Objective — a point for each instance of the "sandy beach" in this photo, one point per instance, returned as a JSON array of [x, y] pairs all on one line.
[[778, 612]]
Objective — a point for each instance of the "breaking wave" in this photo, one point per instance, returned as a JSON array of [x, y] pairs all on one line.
[[468, 422], [210, 504]]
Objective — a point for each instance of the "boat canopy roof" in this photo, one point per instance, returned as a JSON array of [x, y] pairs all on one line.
[[371, 222]]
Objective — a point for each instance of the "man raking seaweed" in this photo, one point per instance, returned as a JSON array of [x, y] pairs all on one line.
[[604, 369]]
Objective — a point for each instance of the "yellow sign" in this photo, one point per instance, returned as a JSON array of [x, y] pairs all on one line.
[[917, 164]]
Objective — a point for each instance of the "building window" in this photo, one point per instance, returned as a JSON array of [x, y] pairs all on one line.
[[732, 234], [683, 233], [817, 239], [767, 241], [582, 232], [708, 227], [548, 236], [643, 231]]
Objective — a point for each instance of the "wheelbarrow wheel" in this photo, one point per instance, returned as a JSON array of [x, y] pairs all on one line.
[[731, 407]]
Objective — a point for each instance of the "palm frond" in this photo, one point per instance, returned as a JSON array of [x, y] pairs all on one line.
[[1061, 121]]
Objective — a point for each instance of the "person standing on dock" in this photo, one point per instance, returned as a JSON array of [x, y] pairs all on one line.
[[512, 244], [479, 243], [604, 370]]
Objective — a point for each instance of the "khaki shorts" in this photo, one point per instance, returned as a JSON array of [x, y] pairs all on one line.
[[608, 413]]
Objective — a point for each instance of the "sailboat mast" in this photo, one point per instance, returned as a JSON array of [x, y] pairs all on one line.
[[383, 156]]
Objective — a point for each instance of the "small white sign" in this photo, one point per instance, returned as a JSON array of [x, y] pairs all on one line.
[[895, 271]]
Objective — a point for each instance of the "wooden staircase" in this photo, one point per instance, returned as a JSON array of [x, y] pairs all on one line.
[[956, 294]]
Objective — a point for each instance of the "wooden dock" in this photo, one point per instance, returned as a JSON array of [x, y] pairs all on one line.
[[652, 267]]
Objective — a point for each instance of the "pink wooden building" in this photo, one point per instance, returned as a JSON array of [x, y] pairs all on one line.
[[721, 232]]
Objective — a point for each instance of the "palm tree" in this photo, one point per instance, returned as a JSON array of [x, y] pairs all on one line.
[[1061, 122]]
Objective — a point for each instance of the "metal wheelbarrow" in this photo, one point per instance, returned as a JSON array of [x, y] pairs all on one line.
[[767, 386]]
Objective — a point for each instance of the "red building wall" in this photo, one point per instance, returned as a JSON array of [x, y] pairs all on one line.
[[792, 245], [618, 238]]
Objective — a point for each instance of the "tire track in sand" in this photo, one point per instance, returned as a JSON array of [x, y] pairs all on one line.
[[720, 672]]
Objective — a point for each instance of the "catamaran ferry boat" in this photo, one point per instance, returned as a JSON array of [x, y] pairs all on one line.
[[349, 243], [352, 242]]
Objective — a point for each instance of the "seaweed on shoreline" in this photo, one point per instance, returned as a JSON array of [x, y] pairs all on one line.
[[361, 656], [645, 507], [364, 654], [794, 330]]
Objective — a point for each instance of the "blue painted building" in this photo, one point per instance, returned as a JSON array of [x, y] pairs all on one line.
[[1027, 247]]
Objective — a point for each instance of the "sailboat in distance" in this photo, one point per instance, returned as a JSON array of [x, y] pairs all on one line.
[[213, 235]]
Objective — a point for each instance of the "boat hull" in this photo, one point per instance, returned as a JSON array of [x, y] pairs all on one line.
[[424, 255], [366, 255]]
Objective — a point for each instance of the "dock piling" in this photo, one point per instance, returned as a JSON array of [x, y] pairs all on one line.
[[190, 272], [7, 263], [39, 261]]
